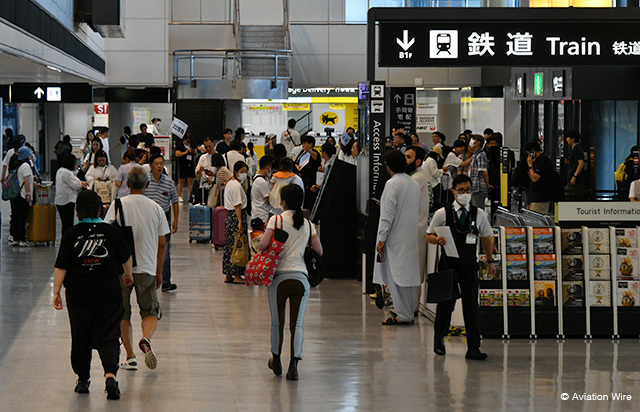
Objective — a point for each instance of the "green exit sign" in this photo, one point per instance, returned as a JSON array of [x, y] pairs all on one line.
[[538, 82]]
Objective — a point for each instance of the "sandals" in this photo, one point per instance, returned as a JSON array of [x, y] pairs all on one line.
[[394, 321]]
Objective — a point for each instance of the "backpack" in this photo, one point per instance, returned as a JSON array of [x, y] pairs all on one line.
[[556, 192], [249, 193], [11, 187], [620, 174]]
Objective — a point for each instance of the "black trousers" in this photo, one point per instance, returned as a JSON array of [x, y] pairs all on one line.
[[468, 280], [19, 209], [95, 327], [66, 213]]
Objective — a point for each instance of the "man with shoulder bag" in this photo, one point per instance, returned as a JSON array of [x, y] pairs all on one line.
[[467, 223]]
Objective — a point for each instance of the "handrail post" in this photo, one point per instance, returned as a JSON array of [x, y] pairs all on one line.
[[276, 55], [191, 67]]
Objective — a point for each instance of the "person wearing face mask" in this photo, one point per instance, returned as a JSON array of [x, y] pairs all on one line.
[[467, 223], [260, 189], [415, 156], [397, 262], [235, 201], [478, 172]]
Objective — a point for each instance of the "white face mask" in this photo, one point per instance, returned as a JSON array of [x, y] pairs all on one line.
[[464, 199], [472, 143], [242, 177]]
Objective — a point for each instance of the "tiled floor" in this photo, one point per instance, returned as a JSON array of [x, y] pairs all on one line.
[[213, 346]]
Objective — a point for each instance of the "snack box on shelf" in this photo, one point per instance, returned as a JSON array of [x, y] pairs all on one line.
[[626, 238], [627, 263]]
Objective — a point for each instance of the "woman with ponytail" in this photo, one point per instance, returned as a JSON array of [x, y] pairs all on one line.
[[290, 281]]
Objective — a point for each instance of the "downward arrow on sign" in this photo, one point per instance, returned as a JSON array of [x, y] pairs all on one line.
[[405, 43]]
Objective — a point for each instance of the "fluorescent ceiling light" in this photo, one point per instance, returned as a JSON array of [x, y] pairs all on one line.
[[54, 69], [446, 88]]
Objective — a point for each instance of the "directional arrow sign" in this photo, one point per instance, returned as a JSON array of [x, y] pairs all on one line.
[[39, 92], [405, 43], [397, 98]]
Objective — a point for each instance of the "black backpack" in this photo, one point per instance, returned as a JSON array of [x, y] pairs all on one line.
[[249, 193]]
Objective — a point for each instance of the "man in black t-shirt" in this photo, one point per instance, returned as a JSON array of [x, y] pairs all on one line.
[[90, 261], [146, 138], [307, 164], [540, 171], [575, 162]]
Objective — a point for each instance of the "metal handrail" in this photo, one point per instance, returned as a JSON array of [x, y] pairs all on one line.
[[233, 56], [286, 24]]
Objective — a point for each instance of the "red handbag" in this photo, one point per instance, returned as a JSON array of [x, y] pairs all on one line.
[[262, 267]]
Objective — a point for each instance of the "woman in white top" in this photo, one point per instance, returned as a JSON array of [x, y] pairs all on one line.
[[120, 181], [346, 152], [67, 188], [235, 201], [101, 170], [431, 166], [20, 203], [86, 147], [89, 158], [252, 159], [290, 281]]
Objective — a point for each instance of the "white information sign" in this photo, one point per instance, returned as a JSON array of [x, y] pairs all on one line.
[[598, 211], [178, 127]]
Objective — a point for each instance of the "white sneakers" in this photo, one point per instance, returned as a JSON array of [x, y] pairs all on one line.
[[130, 364]]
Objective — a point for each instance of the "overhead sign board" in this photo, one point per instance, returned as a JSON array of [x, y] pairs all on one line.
[[512, 43], [403, 108], [604, 212], [51, 92]]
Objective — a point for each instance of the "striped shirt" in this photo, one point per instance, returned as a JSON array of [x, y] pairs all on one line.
[[479, 164], [164, 193]]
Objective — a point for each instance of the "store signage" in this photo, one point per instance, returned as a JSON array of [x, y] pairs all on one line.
[[500, 43], [521, 85], [51, 92], [296, 107], [607, 212], [377, 128], [538, 84], [323, 91], [101, 108], [403, 108]]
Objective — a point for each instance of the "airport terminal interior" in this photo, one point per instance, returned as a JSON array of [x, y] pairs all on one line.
[[400, 133]]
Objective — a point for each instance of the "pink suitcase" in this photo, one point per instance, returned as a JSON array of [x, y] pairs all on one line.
[[217, 226]]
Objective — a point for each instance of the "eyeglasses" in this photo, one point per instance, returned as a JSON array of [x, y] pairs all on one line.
[[463, 191]]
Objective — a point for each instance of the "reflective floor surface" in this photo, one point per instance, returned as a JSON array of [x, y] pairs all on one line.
[[213, 346]]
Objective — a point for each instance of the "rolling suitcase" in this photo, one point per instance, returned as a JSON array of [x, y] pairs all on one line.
[[200, 223], [41, 224], [217, 238]]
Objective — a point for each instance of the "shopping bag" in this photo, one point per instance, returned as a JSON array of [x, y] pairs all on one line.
[[240, 253], [442, 285], [126, 231], [315, 272], [104, 190], [263, 265]]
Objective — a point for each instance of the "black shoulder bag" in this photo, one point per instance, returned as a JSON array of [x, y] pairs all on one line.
[[442, 285], [125, 231], [315, 272]]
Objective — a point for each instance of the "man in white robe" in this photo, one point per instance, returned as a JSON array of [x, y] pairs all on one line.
[[397, 264], [415, 155]]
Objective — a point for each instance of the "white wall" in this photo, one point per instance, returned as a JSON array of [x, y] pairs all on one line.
[[28, 123], [141, 58]]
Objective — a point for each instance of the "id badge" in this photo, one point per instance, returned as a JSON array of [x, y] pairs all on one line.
[[189, 157], [472, 239]]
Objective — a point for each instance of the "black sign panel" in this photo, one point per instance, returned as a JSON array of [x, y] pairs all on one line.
[[557, 83], [403, 108], [376, 138], [51, 93], [469, 43]]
